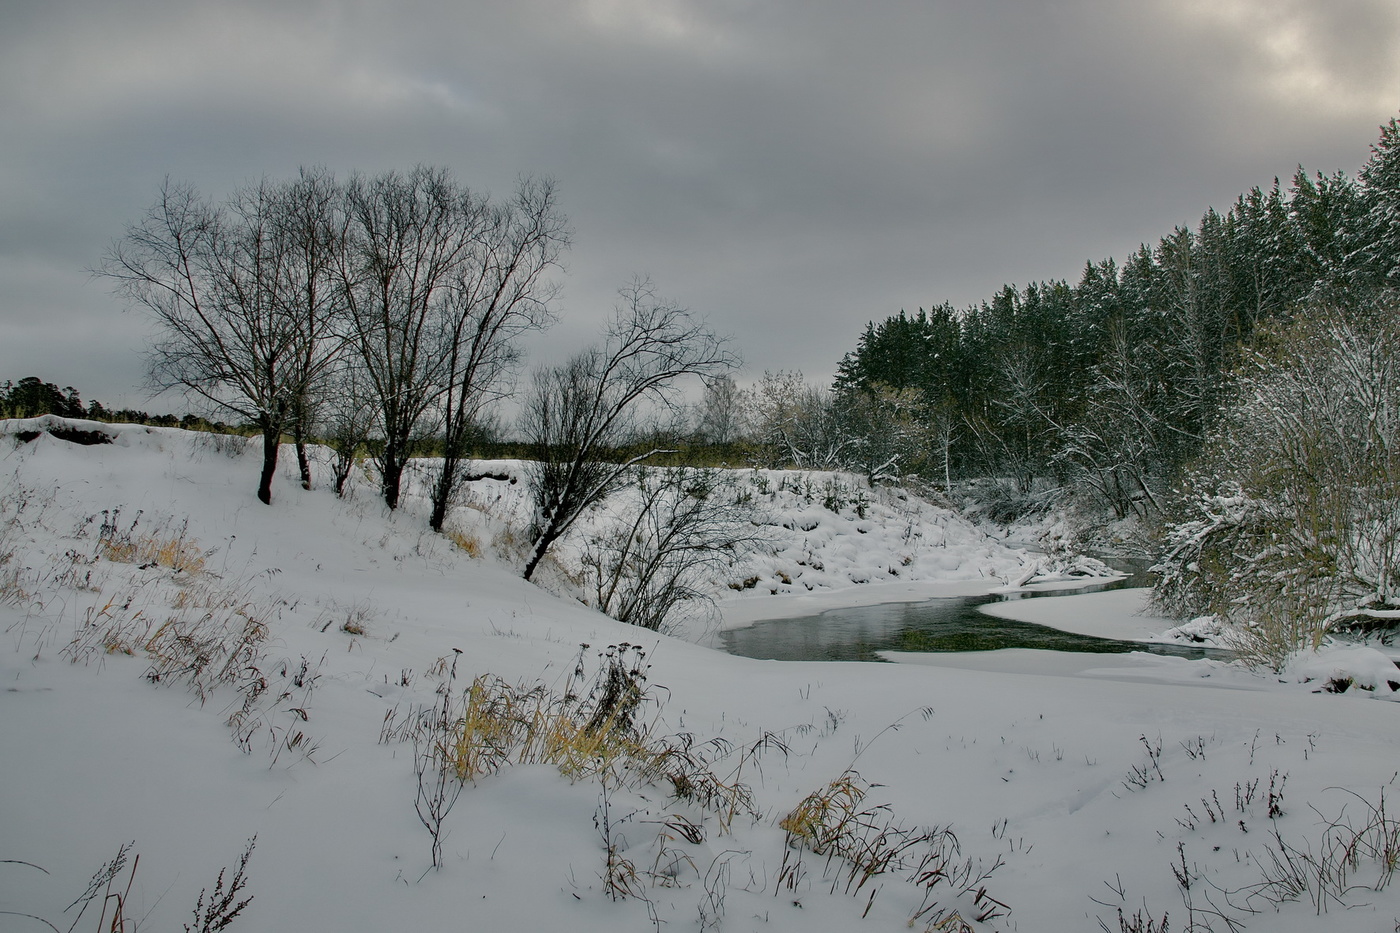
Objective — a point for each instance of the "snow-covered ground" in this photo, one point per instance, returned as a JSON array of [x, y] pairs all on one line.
[[1114, 614], [1074, 786]]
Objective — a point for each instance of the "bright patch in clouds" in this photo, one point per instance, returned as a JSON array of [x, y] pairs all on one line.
[[672, 24], [1325, 57]]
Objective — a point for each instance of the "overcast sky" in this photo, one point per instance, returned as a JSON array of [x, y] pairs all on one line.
[[789, 169]]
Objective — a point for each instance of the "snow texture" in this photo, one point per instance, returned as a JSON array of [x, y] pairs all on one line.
[[1082, 781]]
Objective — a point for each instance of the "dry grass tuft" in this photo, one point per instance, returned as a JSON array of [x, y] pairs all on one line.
[[123, 544], [503, 724], [13, 585], [12, 589], [351, 619], [207, 634], [208, 649], [825, 819], [582, 733], [464, 542], [592, 728], [862, 843], [119, 623]]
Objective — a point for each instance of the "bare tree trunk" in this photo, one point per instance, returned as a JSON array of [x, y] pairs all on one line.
[[342, 474], [299, 438], [391, 466], [303, 464], [537, 553], [272, 440], [442, 495]]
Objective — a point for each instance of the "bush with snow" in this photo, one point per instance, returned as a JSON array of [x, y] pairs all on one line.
[[1290, 526]]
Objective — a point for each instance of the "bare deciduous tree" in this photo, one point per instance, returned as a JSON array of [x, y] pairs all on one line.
[[408, 238], [892, 430], [346, 417], [309, 226], [580, 414], [238, 292], [499, 291], [1115, 446], [797, 423], [720, 416], [438, 280]]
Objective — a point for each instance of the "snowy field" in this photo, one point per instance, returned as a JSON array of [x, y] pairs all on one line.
[[185, 669]]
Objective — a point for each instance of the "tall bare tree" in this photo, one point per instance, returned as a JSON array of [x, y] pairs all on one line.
[[581, 414], [237, 299], [309, 227], [407, 238], [438, 280], [500, 290], [720, 415]]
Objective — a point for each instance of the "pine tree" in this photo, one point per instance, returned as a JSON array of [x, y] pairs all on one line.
[[1378, 253]]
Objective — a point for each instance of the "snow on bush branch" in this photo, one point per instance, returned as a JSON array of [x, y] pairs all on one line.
[[1289, 528]]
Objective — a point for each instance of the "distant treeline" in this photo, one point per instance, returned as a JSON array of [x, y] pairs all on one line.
[[1115, 382], [32, 397]]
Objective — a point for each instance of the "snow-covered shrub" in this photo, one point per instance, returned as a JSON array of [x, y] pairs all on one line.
[[1289, 527]]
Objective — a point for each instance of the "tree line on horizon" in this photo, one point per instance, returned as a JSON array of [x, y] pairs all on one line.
[[1116, 382], [31, 397]]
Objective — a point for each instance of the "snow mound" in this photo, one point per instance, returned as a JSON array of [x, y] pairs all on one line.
[[1340, 667]]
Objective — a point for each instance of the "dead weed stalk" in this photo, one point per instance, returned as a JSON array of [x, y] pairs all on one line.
[[862, 843]]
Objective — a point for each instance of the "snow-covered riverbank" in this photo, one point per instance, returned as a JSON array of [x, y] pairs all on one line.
[[1072, 795]]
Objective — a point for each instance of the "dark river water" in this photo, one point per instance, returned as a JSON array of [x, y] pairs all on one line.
[[950, 624]]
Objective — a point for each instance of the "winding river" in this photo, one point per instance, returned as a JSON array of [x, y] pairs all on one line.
[[948, 624]]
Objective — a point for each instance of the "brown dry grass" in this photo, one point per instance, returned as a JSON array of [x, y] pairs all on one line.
[[464, 542], [177, 553]]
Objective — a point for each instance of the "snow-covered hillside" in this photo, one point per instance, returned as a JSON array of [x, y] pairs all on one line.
[[185, 669], [818, 539]]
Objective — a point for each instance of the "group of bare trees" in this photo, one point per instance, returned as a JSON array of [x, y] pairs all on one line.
[[381, 308], [782, 420], [383, 312]]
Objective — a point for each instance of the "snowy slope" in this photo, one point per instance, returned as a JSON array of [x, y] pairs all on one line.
[[1053, 778]]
